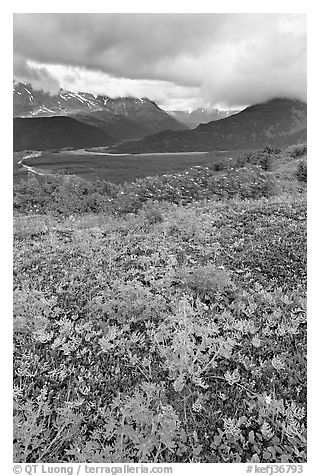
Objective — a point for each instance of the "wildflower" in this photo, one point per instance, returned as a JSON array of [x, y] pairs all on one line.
[[232, 378], [42, 336], [43, 394], [282, 329], [268, 400], [277, 363], [256, 342], [197, 407], [222, 396]]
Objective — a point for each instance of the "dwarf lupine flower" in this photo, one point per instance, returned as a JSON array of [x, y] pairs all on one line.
[[277, 363], [43, 395], [197, 407], [268, 400], [232, 378], [256, 342], [222, 396], [42, 336]]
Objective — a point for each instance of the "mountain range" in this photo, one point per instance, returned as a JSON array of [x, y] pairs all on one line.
[[119, 118], [199, 116], [278, 122], [138, 125]]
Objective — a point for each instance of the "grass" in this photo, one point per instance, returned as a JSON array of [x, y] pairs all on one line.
[[118, 169]]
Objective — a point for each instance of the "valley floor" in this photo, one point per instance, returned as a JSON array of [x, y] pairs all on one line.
[[94, 164]]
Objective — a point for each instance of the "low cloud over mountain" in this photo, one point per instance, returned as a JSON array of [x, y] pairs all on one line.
[[184, 60]]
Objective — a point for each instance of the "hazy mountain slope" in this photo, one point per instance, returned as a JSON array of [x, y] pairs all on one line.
[[42, 133], [118, 127], [130, 119], [200, 116], [146, 112], [278, 122]]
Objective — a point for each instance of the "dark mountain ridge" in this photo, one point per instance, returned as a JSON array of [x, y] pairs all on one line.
[[41, 133]]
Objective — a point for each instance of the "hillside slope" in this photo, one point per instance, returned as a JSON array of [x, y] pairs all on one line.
[[42, 133], [278, 122], [130, 118]]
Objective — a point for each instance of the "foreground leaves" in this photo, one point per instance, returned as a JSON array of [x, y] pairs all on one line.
[[174, 335]]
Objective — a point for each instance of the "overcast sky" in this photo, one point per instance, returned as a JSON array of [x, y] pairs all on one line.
[[181, 61]]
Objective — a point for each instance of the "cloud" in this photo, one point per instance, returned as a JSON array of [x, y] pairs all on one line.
[[166, 94], [231, 59], [39, 77]]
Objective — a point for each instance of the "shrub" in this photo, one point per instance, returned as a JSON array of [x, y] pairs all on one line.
[[301, 172], [205, 281], [262, 159], [65, 195], [295, 151], [152, 213], [195, 183], [272, 150]]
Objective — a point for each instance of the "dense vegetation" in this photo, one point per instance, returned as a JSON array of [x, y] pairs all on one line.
[[162, 320]]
